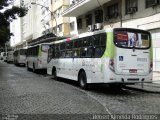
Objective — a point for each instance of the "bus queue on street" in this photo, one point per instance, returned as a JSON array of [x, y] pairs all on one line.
[[111, 56]]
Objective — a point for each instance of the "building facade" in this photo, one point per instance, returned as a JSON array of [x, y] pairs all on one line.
[[101, 14], [43, 17], [16, 39]]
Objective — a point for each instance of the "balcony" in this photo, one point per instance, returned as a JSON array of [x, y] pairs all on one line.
[[80, 7]]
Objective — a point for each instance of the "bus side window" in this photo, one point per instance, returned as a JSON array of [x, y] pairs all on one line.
[[86, 52], [86, 41], [98, 52], [96, 40], [103, 39], [62, 46], [68, 54], [76, 53], [57, 54], [62, 54]]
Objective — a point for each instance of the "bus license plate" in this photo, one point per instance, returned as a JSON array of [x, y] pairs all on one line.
[[133, 71]]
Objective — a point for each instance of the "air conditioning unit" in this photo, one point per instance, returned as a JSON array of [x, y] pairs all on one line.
[[90, 28], [131, 10], [98, 26]]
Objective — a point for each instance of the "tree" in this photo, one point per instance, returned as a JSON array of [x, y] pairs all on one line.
[[7, 16]]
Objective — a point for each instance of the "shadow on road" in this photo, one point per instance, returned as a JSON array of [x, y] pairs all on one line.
[[99, 88]]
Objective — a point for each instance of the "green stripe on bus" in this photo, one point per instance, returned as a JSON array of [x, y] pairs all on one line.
[[151, 53], [40, 51], [110, 47]]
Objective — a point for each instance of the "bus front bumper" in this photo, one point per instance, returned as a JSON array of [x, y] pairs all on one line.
[[129, 79]]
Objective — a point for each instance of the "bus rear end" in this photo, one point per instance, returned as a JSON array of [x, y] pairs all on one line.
[[133, 56], [42, 56]]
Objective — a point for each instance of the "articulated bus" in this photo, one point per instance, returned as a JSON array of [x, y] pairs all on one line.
[[20, 56], [37, 57], [114, 56]]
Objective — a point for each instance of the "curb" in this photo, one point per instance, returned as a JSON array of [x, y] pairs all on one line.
[[142, 89]]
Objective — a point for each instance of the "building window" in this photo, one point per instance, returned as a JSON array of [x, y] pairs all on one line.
[[79, 23], [72, 26], [88, 20], [98, 16], [131, 6], [150, 3], [112, 11]]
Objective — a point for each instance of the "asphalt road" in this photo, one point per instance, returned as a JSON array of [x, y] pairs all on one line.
[[24, 92]]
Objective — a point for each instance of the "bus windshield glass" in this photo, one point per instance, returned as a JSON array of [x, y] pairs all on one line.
[[129, 39], [45, 48], [23, 52]]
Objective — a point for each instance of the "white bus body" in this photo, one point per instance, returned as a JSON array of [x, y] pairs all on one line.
[[37, 56], [20, 56], [10, 57], [106, 56]]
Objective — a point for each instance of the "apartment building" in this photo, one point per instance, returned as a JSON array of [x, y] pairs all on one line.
[[101, 14], [43, 17], [16, 39], [23, 28], [62, 25]]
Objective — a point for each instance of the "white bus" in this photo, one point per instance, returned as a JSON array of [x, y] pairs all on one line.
[[37, 56], [115, 56], [20, 56], [10, 56]]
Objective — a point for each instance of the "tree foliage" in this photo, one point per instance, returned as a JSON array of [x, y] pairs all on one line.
[[7, 16]]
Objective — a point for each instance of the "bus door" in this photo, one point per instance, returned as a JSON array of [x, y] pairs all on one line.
[[44, 54], [132, 52]]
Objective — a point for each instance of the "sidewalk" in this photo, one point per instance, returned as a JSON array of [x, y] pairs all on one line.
[[148, 87]]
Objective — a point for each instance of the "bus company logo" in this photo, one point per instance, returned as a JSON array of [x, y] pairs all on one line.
[[120, 58]]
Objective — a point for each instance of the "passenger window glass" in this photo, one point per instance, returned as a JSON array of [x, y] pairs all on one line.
[[76, 53], [96, 40], [103, 39], [62, 46], [98, 52], [62, 54], [68, 53], [69, 45], [87, 52]]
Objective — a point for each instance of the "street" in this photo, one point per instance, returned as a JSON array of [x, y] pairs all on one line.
[[24, 92]]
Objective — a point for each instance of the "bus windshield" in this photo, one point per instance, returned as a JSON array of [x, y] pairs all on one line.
[[23, 52], [45, 48], [130, 39]]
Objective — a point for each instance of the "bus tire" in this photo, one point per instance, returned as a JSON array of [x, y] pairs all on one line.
[[82, 79], [54, 74]]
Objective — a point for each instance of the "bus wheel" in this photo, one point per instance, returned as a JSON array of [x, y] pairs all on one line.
[[54, 73], [82, 79]]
